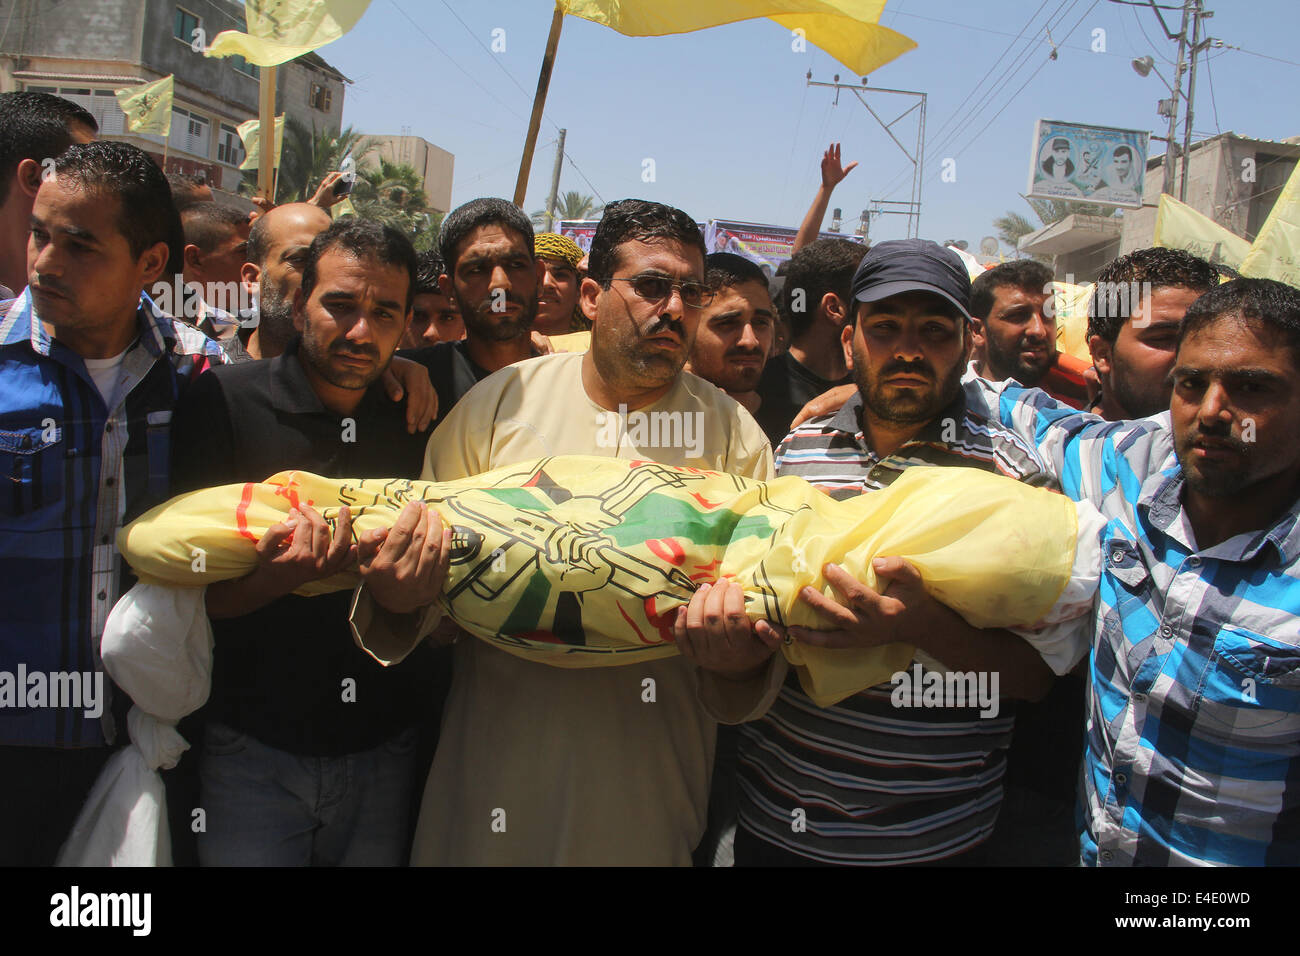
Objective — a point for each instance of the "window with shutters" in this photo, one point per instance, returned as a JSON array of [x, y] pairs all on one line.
[[229, 148], [320, 97]]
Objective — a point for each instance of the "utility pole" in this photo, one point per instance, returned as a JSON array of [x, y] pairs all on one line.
[[555, 183], [1193, 13], [1171, 145], [1198, 45]]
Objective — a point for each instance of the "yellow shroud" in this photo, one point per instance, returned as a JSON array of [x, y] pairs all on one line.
[[583, 561]]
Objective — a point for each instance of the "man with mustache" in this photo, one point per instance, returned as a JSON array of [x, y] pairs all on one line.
[[492, 275], [540, 765], [1194, 690], [309, 745], [277, 250], [871, 781], [1014, 330], [736, 329]]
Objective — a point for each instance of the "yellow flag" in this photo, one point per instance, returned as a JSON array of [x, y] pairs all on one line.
[[250, 133], [148, 108], [1179, 226], [281, 30], [1275, 254], [848, 30], [1071, 304]]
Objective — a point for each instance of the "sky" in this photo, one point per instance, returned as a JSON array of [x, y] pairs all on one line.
[[735, 132]]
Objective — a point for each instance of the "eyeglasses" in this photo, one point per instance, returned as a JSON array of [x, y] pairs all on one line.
[[654, 287]]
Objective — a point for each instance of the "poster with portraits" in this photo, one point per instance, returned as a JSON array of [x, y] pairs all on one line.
[[1097, 164], [766, 246]]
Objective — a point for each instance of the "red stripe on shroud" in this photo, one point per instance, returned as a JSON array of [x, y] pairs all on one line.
[[241, 512]]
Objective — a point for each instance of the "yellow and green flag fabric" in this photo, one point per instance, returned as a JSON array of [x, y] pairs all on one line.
[[1071, 304], [583, 561], [148, 108], [282, 30], [1179, 226], [849, 30], [250, 135], [1275, 253]]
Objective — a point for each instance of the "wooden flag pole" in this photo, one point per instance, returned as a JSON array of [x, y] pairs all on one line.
[[266, 134], [539, 102]]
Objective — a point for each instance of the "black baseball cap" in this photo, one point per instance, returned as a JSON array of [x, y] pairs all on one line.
[[908, 265]]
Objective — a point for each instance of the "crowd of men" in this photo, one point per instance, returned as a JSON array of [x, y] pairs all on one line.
[[1170, 736]]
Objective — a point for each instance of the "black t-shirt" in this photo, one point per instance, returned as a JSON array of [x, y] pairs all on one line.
[[785, 388], [278, 673], [451, 370]]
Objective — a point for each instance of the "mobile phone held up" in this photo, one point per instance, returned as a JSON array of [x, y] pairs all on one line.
[[348, 168]]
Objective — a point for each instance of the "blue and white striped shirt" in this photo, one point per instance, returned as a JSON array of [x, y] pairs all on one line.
[[1193, 738]]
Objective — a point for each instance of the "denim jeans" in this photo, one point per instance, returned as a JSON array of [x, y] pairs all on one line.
[[267, 807]]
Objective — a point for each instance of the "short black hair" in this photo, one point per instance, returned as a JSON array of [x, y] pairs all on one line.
[[206, 224], [186, 190], [637, 220], [35, 126], [487, 211], [1121, 283], [824, 265], [363, 238], [1123, 150], [145, 212], [723, 270], [429, 268], [1027, 275], [1273, 303]]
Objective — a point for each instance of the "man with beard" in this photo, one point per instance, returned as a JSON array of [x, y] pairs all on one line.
[[1194, 703], [736, 329], [1133, 321], [879, 782], [492, 275], [1014, 330], [309, 745], [277, 249], [540, 765]]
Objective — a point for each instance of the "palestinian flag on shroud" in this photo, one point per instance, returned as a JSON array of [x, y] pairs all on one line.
[[583, 561]]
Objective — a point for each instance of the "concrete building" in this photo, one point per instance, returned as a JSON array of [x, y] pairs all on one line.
[[1232, 179], [433, 163], [85, 49]]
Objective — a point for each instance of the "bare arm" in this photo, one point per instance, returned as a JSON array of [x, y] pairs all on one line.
[[904, 611], [832, 172]]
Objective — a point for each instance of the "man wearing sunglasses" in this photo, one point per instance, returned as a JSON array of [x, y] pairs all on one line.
[[541, 765]]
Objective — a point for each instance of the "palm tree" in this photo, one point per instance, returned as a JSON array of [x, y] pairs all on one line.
[[307, 156], [1013, 226], [391, 193], [570, 205]]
